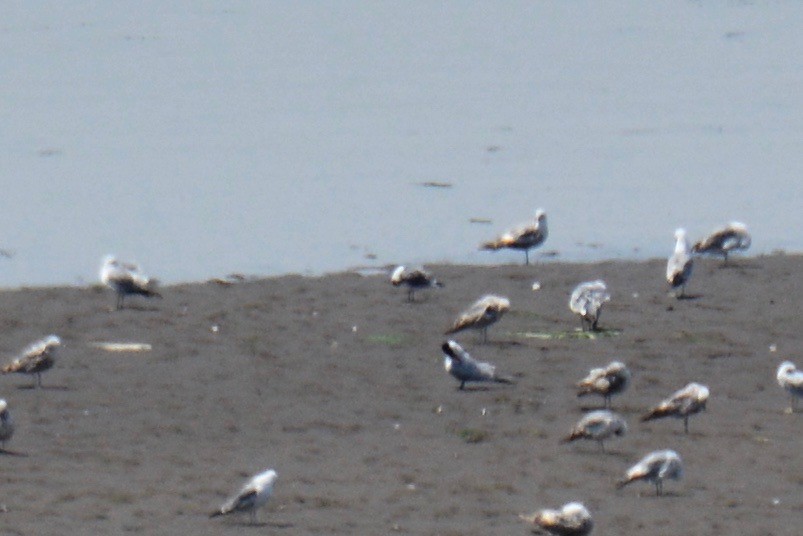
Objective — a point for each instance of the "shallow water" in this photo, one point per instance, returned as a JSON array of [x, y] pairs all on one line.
[[202, 138]]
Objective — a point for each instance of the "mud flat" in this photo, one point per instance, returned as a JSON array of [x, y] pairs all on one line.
[[337, 383]]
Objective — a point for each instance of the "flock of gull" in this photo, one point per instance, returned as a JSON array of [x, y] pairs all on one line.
[[586, 301]]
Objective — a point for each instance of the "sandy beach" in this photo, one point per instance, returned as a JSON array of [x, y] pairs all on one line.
[[337, 382]]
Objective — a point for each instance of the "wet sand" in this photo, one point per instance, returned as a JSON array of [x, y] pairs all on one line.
[[337, 383]]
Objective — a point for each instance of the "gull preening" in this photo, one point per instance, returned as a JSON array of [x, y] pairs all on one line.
[[598, 425], [525, 236], [791, 379], [415, 279], [251, 496], [587, 300], [655, 467], [682, 404], [679, 265], [35, 359], [126, 279], [606, 382], [462, 366], [573, 519], [732, 237], [481, 314], [6, 424]]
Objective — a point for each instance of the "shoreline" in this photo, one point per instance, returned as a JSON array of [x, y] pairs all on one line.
[[369, 270]]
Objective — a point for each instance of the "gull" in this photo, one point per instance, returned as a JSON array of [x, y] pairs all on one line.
[[125, 279], [732, 237], [573, 519], [598, 425], [682, 404], [678, 268], [462, 366], [587, 300], [251, 496], [608, 381], [791, 379], [525, 236], [6, 424], [35, 359], [481, 314], [414, 279], [655, 467]]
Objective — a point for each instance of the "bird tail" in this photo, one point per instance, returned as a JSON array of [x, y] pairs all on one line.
[[655, 413], [503, 379], [569, 438], [219, 512], [491, 246], [11, 367], [151, 291], [438, 284], [622, 483]]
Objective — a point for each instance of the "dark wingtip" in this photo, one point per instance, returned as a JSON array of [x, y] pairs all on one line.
[[215, 514]]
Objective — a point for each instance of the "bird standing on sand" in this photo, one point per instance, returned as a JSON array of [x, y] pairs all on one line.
[[126, 279], [791, 379], [414, 280], [608, 381], [481, 314], [732, 237], [462, 366], [679, 265], [682, 404], [655, 467], [573, 519], [525, 236], [251, 496], [598, 425], [587, 300], [35, 359], [6, 424]]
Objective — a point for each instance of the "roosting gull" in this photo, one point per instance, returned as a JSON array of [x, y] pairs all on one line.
[[6, 424], [587, 300], [525, 236], [573, 519], [655, 467], [608, 381], [791, 379], [731, 237], [679, 266], [414, 280], [251, 496], [598, 425], [126, 279], [682, 404], [481, 314], [35, 359], [462, 366]]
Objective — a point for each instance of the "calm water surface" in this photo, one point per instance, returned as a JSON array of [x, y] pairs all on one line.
[[206, 137]]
